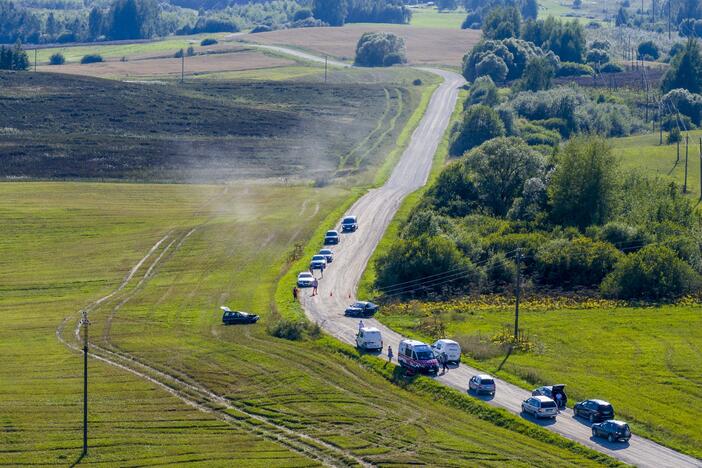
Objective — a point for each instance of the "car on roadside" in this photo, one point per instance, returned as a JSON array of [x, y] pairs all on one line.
[[233, 317], [482, 383], [318, 262], [540, 406], [594, 410], [362, 309], [612, 430], [305, 279], [369, 339], [450, 348], [553, 391], [328, 254], [417, 356], [331, 237], [349, 224]]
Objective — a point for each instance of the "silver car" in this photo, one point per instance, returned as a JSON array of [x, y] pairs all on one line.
[[540, 407], [482, 383]]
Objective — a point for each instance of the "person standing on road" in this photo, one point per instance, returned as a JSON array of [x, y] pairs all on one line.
[[443, 359], [389, 353], [295, 292], [360, 325], [559, 401], [315, 285]]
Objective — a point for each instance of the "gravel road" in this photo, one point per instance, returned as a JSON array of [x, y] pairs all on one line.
[[375, 210]]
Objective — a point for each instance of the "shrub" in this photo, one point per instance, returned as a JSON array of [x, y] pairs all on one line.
[[380, 49], [600, 44], [577, 262], [208, 42], [57, 59], [685, 70], [483, 91], [514, 53], [492, 66], [302, 14], [649, 48], [502, 23], [537, 75], [213, 25], [91, 58], [261, 28], [687, 103], [674, 135], [611, 67], [654, 272], [574, 69], [287, 329], [623, 236], [500, 270], [480, 124], [417, 82], [472, 21], [536, 135], [454, 193], [597, 56]]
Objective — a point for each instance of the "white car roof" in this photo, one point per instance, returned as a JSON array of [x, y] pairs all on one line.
[[446, 341], [370, 329], [484, 376], [304, 273], [543, 398], [413, 342]]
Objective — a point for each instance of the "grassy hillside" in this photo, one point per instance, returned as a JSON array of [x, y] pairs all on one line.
[[68, 244], [59, 126]]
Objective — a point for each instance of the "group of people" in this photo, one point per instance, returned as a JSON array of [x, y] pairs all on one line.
[[296, 291]]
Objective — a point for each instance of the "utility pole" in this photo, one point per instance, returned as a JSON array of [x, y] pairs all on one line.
[[85, 322], [182, 66], [677, 159], [326, 60], [660, 125], [518, 291], [700, 169], [687, 138], [669, 2], [35, 59]]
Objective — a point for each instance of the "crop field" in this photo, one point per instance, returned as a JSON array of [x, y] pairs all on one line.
[[645, 361], [432, 18], [60, 126], [425, 46], [643, 152], [68, 244]]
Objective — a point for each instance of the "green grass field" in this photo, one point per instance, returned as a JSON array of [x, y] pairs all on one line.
[[67, 244], [432, 18], [643, 152]]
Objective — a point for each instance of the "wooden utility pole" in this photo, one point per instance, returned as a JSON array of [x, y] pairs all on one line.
[[182, 66], [700, 169], [687, 140], [85, 322], [518, 293], [35, 59], [660, 125], [669, 2], [326, 60], [677, 159]]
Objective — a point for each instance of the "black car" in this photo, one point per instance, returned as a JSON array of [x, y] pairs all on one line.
[[361, 309], [553, 392], [349, 224], [613, 431], [331, 237], [594, 410], [232, 317]]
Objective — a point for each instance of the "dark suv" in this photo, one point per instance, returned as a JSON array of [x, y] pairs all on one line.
[[555, 392], [349, 224], [594, 410], [613, 431]]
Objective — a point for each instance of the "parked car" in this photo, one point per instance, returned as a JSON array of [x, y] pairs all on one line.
[[450, 348], [305, 279], [369, 339], [594, 410], [417, 356], [482, 383], [552, 391], [319, 262], [328, 254], [349, 224], [361, 309], [540, 407], [231, 317], [331, 237], [612, 430]]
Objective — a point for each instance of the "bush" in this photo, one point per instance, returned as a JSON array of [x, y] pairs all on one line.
[[514, 53], [500, 270], [537, 75], [492, 66], [483, 91], [287, 329], [213, 25], [91, 58], [674, 135], [623, 236], [380, 49], [302, 14], [454, 193], [577, 262], [208, 42], [654, 272], [597, 57], [687, 103], [685, 70], [600, 44], [261, 28], [649, 48], [480, 124], [574, 69], [57, 59], [473, 21], [417, 82], [502, 23], [611, 67]]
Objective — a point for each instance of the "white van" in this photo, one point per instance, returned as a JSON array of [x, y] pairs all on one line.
[[369, 339], [450, 348]]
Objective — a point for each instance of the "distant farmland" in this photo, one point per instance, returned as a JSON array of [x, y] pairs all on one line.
[[425, 46], [64, 127]]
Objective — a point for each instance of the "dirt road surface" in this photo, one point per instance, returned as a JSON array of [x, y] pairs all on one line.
[[375, 210]]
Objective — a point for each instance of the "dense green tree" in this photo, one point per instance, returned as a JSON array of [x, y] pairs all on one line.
[[480, 124], [622, 18], [13, 58], [454, 193], [566, 39], [18, 24], [133, 19], [53, 28], [577, 262], [529, 9], [502, 23], [584, 185], [499, 168], [444, 5], [378, 49], [650, 49], [95, 23], [685, 70], [538, 74], [331, 11], [57, 59], [483, 91]]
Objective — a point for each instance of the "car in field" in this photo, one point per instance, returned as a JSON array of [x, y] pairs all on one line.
[[450, 348], [594, 410], [612, 430], [540, 407], [331, 237], [232, 317], [328, 254], [349, 224], [362, 309], [553, 392], [482, 383], [318, 262], [369, 339], [305, 279], [417, 356]]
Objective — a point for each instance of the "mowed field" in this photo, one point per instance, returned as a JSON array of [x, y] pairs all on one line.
[[645, 361], [65, 245], [61, 126], [425, 46], [644, 153]]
